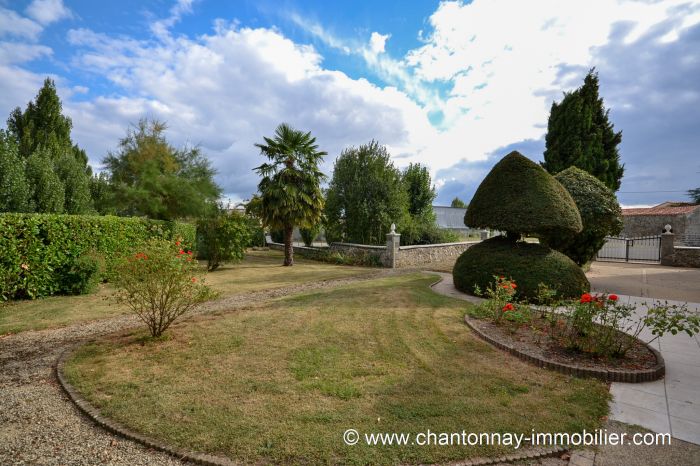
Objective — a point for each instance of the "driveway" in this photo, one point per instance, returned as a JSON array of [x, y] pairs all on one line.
[[646, 281]]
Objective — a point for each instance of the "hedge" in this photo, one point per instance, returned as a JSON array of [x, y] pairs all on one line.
[[38, 250], [520, 196], [529, 264]]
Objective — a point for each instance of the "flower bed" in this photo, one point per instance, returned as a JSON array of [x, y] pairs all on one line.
[[594, 336]]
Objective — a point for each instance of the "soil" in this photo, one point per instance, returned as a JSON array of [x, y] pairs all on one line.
[[533, 338]]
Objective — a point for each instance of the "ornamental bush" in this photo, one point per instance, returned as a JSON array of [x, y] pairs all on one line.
[[160, 282], [528, 264], [601, 215], [39, 248], [519, 196], [222, 238]]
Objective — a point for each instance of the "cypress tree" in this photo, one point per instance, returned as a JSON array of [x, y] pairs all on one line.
[[580, 134]]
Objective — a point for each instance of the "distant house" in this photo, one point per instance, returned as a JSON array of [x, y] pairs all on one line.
[[683, 217], [450, 218]]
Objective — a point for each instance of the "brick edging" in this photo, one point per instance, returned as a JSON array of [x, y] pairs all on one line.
[[606, 375], [118, 429]]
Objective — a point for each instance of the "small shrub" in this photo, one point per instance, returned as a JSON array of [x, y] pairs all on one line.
[[257, 233], [308, 235], [277, 236], [83, 275], [222, 238], [528, 264], [159, 283]]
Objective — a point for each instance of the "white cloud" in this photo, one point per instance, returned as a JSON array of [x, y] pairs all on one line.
[[48, 11], [377, 42], [12, 24]]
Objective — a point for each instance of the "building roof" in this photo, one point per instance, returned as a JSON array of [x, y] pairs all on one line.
[[667, 208], [449, 217]]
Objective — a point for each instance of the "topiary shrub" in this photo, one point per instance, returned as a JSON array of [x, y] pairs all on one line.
[[601, 215], [520, 197], [308, 235], [528, 264]]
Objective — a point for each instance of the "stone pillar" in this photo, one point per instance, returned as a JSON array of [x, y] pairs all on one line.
[[667, 240], [393, 240]]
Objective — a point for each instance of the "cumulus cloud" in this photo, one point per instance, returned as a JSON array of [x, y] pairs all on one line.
[[15, 25], [377, 42], [48, 11]]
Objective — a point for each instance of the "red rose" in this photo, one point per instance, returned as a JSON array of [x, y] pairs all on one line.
[[612, 297], [508, 307], [586, 298]]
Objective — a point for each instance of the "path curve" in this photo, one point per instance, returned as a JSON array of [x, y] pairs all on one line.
[[39, 424]]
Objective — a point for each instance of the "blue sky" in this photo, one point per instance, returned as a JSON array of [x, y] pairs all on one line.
[[452, 85]]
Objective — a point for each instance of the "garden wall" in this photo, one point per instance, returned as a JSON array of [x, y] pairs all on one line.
[[686, 256], [404, 256]]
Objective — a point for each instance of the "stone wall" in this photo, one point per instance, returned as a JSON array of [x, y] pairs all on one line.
[[650, 225], [404, 256], [416, 256], [684, 256]]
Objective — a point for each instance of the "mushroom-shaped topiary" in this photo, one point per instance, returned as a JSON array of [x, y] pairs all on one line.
[[600, 213], [520, 197]]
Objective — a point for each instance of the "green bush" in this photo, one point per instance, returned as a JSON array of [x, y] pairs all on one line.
[[308, 235], [277, 236], [600, 213], [159, 283], [257, 233], [426, 233], [222, 238], [519, 196], [37, 248], [528, 264], [83, 275]]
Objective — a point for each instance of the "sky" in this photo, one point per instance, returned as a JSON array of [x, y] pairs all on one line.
[[453, 85]]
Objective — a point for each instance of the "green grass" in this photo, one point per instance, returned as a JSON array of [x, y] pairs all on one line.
[[281, 381], [261, 270]]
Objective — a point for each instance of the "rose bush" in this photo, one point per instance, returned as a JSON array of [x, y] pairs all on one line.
[[160, 282]]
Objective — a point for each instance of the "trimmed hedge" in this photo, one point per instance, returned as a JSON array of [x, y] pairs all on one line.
[[600, 212], [39, 251], [520, 196], [528, 264]]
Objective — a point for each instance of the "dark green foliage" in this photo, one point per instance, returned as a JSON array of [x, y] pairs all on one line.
[[520, 197], [82, 275], [528, 264], [38, 247], [76, 185], [426, 233], [457, 202], [365, 196], [257, 233], [222, 238], [14, 188], [694, 194], [47, 190], [290, 189], [151, 178], [600, 213], [421, 192], [579, 133], [43, 132], [277, 235], [308, 235], [102, 194]]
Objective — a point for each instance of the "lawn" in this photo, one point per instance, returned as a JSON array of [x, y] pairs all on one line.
[[280, 382], [261, 270]]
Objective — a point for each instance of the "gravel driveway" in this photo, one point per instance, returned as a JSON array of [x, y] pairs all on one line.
[[39, 425]]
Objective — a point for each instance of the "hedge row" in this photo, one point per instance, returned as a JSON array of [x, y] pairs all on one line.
[[39, 250]]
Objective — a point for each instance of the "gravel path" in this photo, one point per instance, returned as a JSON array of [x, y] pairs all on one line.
[[39, 425]]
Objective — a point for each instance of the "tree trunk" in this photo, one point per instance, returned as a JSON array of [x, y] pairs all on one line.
[[288, 249]]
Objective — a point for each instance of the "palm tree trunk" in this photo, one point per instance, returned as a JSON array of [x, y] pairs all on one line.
[[288, 249]]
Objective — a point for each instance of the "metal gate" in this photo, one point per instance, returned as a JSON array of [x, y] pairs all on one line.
[[642, 249]]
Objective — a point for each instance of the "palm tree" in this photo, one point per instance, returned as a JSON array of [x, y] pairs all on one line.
[[290, 188]]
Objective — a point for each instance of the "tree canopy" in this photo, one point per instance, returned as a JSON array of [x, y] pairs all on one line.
[[149, 177], [45, 163], [290, 189], [694, 194], [421, 192], [365, 196], [457, 202], [579, 133]]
